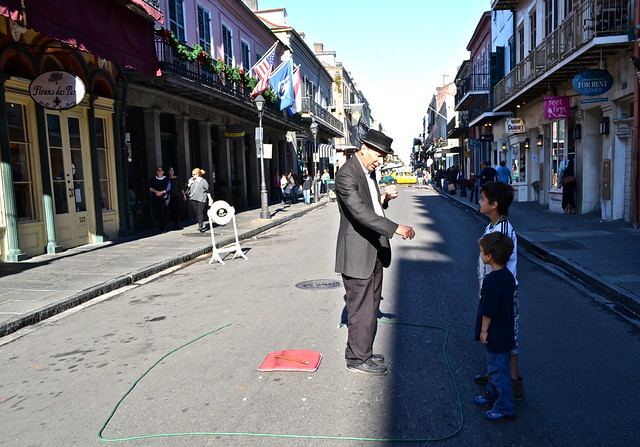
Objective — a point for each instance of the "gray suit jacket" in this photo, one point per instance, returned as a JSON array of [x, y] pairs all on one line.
[[363, 235]]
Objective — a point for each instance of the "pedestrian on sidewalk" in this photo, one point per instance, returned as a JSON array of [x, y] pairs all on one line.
[[284, 187], [306, 187], [362, 249], [495, 200], [325, 178], [503, 173], [159, 187], [568, 188], [277, 189], [293, 186], [494, 325], [487, 174], [198, 192], [420, 177], [177, 196]]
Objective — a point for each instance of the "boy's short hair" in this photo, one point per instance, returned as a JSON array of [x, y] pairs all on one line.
[[503, 163], [498, 245], [499, 192]]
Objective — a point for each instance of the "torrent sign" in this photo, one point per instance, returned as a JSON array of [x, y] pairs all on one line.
[[57, 90], [593, 82]]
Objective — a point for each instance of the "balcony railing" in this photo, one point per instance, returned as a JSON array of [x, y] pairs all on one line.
[[479, 107], [310, 106], [169, 62], [474, 84], [154, 3], [594, 18]]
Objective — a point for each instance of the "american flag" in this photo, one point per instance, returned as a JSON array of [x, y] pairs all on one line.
[[262, 69]]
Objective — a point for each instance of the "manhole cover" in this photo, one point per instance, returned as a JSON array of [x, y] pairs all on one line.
[[319, 284]]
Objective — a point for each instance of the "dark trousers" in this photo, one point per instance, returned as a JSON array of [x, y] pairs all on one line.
[[174, 210], [198, 209], [568, 195], [363, 306], [159, 211]]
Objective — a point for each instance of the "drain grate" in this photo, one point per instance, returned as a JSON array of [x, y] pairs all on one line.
[[319, 284]]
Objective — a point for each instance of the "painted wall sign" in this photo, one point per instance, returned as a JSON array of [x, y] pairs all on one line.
[[593, 82], [57, 90], [556, 107], [514, 125]]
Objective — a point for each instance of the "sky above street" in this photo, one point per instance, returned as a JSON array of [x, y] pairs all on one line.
[[397, 51]]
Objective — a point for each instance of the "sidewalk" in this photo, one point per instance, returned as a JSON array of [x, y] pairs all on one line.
[[43, 286], [602, 254]]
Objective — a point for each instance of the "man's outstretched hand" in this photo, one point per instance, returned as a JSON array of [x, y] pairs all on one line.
[[405, 232]]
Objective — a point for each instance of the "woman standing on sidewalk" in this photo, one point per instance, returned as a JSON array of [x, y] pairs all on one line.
[[177, 195], [159, 186], [198, 191]]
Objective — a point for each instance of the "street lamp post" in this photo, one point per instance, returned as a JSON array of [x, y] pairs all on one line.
[[314, 131], [264, 199]]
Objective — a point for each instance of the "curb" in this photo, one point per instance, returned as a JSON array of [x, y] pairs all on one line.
[[615, 293], [83, 296]]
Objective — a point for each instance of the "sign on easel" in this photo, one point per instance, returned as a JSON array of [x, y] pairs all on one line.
[[222, 213]]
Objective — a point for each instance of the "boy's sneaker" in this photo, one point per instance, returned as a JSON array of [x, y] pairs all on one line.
[[518, 389], [494, 416], [484, 400], [481, 379]]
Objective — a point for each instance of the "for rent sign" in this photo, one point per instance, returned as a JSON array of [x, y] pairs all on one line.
[[593, 82], [556, 107], [57, 90]]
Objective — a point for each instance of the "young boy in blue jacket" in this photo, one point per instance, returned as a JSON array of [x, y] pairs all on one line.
[[495, 325]]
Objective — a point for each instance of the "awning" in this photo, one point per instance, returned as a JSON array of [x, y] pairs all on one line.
[[325, 150], [113, 30]]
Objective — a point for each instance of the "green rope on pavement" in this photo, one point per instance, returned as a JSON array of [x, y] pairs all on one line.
[[284, 435]]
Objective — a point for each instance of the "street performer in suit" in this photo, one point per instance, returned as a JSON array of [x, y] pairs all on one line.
[[363, 247]]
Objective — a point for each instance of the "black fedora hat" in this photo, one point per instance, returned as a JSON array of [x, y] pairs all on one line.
[[378, 141]]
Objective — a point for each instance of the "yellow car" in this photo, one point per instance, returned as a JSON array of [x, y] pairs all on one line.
[[404, 177]]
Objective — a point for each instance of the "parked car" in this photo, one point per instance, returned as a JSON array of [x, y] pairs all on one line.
[[387, 180], [404, 177]]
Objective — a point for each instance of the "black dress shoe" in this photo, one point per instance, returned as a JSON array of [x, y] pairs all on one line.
[[368, 367], [378, 359]]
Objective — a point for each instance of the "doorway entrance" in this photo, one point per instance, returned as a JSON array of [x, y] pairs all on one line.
[[68, 155]]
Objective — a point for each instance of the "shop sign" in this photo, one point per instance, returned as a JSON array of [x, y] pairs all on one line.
[[556, 107], [593, 82], [57, 90], [514, 125], [234, 131]]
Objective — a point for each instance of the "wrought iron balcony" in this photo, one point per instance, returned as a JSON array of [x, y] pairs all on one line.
[[471, 87], [591, 20], [312, 107], [211, 88]]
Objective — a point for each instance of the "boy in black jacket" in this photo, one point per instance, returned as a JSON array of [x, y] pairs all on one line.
[[494, 325]]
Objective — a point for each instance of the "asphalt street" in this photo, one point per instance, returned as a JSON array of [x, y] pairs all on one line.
[[579, 359]]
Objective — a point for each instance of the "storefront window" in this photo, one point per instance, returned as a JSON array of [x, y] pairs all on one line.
[[103, 164], [23, 185], [519, 163], [558, 149]]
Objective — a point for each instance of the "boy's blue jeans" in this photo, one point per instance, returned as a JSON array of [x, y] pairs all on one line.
[[499, 385]]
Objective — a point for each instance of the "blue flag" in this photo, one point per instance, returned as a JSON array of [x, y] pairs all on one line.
[[282, 84]]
